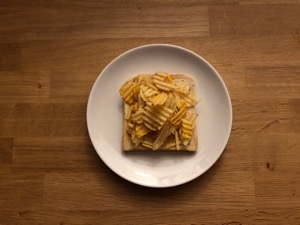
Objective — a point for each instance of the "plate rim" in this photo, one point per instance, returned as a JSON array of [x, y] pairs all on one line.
[[182, 49]]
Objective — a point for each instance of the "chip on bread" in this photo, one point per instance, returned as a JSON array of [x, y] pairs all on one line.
[[159, 113]]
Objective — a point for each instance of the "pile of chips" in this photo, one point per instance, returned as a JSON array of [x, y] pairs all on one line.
[[156, 107]]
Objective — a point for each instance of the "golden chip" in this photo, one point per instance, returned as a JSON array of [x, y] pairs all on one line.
[[131, 125], [177, 140], [135, 140], [141, 130], [147, 81], [154, 117], [142, 78], [168, 79], [158, 99], [126, 91], [190, 100], [162, 136], [170, 144], [160, 83], [162, 74], [183, 88], [141, 102], [127, 112], [148, 91], [143, 97], [134, 107], [186, 131], [138, 116], [177, 100], [192, 118], [147, 143], [170, 102], [135, 91], [177, 117]]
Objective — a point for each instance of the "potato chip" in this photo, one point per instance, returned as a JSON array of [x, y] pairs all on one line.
[[134, 107], [127, 112], [141, 101], [135, 140], [169, 145], [190, 100], [177, 100], [173, 129], [177, 140], [171, 142], [138, 116], [135, 91], [140, 78], [149, 82], [154, 117], [192, 118], [126, 91], [141, 130], [170, 102], [131, 125], [143, 78], [161, 74], [148, 91], [158, 99], [143, 97], [186, 131], [183, 88], [162, 136], [160, 83], [168, 79], [177, 117], [147, 143]]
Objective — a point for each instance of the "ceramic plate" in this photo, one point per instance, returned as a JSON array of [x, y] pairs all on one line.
[[159, 169]]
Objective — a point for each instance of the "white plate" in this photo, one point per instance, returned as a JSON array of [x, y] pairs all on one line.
[[159, 169]]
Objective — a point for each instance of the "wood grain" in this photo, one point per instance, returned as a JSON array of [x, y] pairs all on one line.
[[51, 52]]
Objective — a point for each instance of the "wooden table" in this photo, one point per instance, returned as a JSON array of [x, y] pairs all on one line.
[[51, 52]]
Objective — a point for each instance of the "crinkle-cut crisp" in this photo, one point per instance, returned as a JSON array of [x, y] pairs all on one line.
[[159, 113]]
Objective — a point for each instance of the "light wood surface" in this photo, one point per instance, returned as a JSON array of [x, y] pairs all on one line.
[[51, 52]]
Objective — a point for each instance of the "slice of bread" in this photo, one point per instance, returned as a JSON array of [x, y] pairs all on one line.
[[169, 143]]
